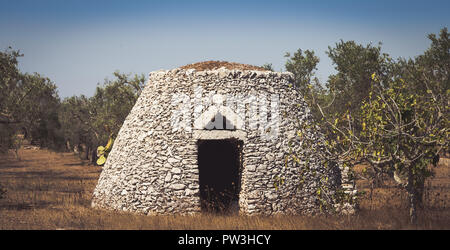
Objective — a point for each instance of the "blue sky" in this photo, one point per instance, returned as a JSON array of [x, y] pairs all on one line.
[[79, 43]]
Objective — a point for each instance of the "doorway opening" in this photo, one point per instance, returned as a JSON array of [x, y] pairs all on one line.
[[220, 168]]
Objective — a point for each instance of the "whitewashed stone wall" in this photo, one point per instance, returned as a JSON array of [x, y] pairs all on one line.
[[153, 169]]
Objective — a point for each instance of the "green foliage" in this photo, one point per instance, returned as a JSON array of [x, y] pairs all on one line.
[[278, 181], [302, 65], [74, 116], [28, 105], [404, 131], [38, 112], [9, 75], [355, 64], [400, 124], [91, 121], [113, 102], [9, 79], [268, 66]]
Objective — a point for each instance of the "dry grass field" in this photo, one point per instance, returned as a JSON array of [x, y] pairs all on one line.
[[48, 190]]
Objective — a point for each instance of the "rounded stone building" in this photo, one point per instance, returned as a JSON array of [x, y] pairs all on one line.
[[216, 136]]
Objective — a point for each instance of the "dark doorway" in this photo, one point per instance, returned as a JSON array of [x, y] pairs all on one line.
[[219, 164]]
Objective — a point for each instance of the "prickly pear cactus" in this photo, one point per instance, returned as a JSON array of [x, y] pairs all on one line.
[[102, 152]]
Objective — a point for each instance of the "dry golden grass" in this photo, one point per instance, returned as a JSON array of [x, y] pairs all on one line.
[[48, 190], [211, 65]]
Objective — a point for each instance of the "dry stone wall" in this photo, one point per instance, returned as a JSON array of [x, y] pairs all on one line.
[[152, 168]]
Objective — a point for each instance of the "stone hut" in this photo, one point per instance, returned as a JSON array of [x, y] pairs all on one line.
[[217, 136]]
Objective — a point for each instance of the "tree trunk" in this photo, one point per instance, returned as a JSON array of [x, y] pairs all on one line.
[[84, 152], [413, 197], [68, 146], [88, 153], [94, 157]]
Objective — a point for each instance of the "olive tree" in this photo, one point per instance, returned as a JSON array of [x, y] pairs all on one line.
[[402, 126], [29, 105], [90, 122]]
